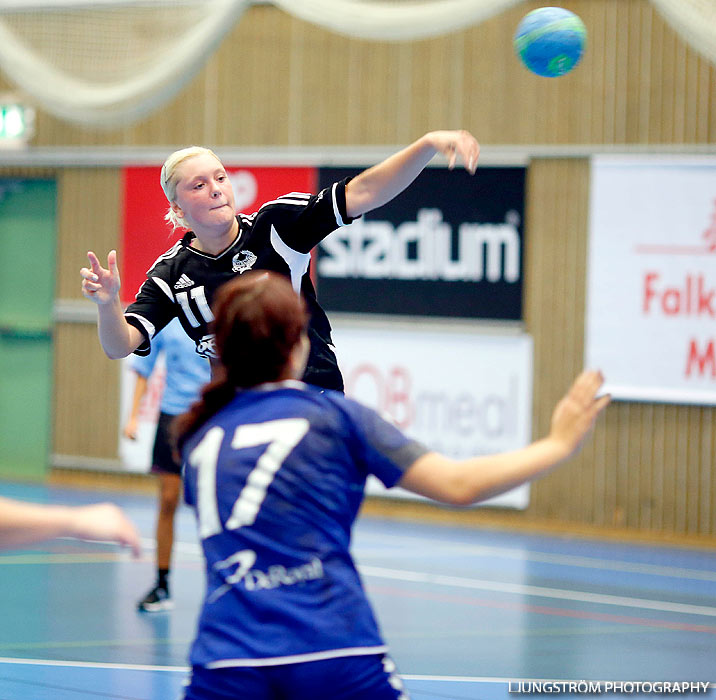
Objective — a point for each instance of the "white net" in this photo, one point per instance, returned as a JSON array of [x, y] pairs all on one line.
[[694, 20], [111, 63], [395, 20]]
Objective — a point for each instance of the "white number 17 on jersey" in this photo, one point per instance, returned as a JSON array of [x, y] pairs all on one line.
[[279, 436]]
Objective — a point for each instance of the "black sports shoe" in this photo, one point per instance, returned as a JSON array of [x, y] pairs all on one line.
[[156, 600]]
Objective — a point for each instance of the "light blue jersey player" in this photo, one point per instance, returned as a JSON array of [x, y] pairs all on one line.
[[275, 470], [185, 374]]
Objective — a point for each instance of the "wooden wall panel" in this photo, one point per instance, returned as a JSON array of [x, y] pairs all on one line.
[[89, 218], [555, 253], [647, 466], [248, 89], [86, 399]]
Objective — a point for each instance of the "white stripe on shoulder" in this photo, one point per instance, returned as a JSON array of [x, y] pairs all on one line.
[[336, 210], [147, 325], [285, 200], [163, 286], [165, 256], [297, 195]]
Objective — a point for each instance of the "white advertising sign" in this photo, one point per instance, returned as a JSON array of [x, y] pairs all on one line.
[[459, 392], [136, 455], [651, 291]]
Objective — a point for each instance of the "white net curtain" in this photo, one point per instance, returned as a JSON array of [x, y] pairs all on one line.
[[110, 62]]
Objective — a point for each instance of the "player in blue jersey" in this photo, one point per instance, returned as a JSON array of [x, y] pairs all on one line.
[[276, 470], [185, 374], [221, 245]]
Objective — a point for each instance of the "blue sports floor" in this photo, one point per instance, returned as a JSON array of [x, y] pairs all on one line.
[[468, 613]]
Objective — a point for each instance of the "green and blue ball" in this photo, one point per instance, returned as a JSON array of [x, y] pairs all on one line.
[[550, 41]]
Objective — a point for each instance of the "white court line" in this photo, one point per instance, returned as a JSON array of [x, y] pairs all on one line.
[[404, 676], [542, 592], [446, 547], [188, 549], [192, 549], [505, 553], [90, 664], [504, 587], [184, 669]]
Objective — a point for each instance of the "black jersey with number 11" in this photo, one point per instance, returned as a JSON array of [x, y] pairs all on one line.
[[278, 237]]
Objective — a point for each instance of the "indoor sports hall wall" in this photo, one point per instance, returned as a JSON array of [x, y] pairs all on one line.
[[276, 81]]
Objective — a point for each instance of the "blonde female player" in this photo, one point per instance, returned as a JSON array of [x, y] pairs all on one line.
[[221, 245], [275, 470]]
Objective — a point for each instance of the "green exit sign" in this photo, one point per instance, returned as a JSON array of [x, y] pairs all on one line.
[[17, 123]]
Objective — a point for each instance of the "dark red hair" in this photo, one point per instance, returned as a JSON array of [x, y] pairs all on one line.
[[258, 319]]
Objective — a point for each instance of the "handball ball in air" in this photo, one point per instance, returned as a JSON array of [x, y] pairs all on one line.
[[550, 41]]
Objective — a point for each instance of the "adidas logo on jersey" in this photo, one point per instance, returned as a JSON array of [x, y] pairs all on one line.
[[183, 282]]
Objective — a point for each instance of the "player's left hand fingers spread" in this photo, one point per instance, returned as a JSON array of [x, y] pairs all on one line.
[[601, 403], [586, 387], [112, 261], [593, 379]]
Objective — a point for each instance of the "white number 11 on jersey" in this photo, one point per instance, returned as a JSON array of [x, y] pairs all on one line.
[[279, 436]]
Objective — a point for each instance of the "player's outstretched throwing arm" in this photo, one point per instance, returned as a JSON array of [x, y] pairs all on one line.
[[462, 482], [26, 523], [378, 185], [101, 285]]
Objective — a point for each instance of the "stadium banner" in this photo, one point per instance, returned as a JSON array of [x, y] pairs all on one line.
[[651, 290], [145, 233], [460, 392], [451, 245]]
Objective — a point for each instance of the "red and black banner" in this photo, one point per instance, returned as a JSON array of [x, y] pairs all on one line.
[[451, 245]]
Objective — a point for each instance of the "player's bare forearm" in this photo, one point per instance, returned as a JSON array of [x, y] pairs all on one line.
[[27, 523], [463, 482], [23, 523], [381, 183], [117, 337], [466, 481]]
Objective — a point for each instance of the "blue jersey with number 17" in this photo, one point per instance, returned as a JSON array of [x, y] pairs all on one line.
[[277, 478]]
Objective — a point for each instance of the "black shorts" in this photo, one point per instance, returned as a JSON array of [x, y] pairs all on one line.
[[162, 458]]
